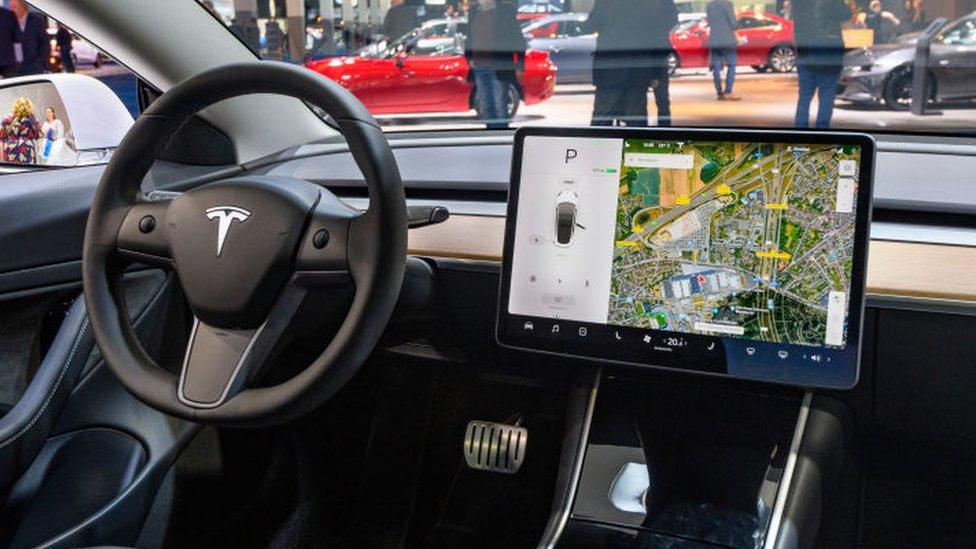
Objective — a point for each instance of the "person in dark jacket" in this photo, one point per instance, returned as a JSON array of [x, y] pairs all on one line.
[[64, 41], [723, 45], [918, 19], [631, 55], [399, 20], [882, 22], [9, 34], [495, 50], [35, 46], [276, 40], [819, 56]]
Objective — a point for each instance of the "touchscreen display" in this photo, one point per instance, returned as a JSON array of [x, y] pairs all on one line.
[[736, 253]]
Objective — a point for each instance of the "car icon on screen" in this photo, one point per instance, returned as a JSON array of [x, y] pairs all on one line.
[[566, 209]]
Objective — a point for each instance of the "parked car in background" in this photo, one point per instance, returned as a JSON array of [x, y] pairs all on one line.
[[426, 72], [82, 52], [883, 74], [86, 54], [569, 44], [766, 42], [537, 9]]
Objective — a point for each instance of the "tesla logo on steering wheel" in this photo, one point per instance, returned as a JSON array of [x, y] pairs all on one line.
[[225, 216]]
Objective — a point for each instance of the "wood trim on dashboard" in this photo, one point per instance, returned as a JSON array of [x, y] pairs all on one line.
[[460, 237], [902, 269], [911, 269]]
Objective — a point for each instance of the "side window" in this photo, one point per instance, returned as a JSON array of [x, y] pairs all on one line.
[[564, 29], [747, 23], [755, 22], [435, 40], [963, 34], [447, 45], [548, 30], [50, 117], [575, 28]]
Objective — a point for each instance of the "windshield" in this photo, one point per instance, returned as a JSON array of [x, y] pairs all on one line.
[[496, 64]]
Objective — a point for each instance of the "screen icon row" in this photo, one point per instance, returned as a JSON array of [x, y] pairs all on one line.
[[561, 330]]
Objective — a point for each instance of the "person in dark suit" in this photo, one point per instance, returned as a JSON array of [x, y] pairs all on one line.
[[631, 55], [495, 50], [723, 45], [819, 56], [399, 20], [35, 46], [9, 34], [64, 40]]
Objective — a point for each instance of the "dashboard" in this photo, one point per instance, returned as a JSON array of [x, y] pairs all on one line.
[[920, 293], [737, 253]]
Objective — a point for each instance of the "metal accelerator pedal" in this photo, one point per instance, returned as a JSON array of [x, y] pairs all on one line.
[[495, 447]]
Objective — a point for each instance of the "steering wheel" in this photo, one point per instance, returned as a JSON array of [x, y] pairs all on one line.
[[247, 251]]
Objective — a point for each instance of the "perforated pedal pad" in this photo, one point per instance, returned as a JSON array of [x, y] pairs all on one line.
[[495, 447]]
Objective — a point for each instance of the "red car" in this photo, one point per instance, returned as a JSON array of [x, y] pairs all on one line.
[[426, 72], [766, 42]]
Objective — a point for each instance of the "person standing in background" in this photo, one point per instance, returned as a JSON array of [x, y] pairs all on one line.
[[632, 48], [252, 34], [35, 47], [919, 19], [723, 45], [882, 22], [495, 50], [9, 34], [819, 56], [276, 39], [63, 39], [52, 133], [19, 132], [399, 20]]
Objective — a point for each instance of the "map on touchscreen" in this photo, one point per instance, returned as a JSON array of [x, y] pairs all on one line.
[[736, 239]]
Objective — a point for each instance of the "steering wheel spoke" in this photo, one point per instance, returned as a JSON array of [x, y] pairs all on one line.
[[219, 362], [322, 259], [144, 234]]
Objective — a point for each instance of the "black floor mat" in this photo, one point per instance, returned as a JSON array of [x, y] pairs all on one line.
[[381, 466], [919, 495]]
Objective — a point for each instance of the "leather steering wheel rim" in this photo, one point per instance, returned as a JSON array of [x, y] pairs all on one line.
[[376, 251]]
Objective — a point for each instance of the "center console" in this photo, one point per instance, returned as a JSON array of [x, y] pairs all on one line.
[[730, 254]]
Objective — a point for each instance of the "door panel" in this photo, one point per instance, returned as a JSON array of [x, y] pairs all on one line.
[[954, 67], [435, 82], [73, 391], [571, 49], [42, 218], [758, 36], [691, 47], [376, 82], [953, 60], [53, 381]]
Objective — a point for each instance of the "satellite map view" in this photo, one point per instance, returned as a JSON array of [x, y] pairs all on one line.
[[735, 239]]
